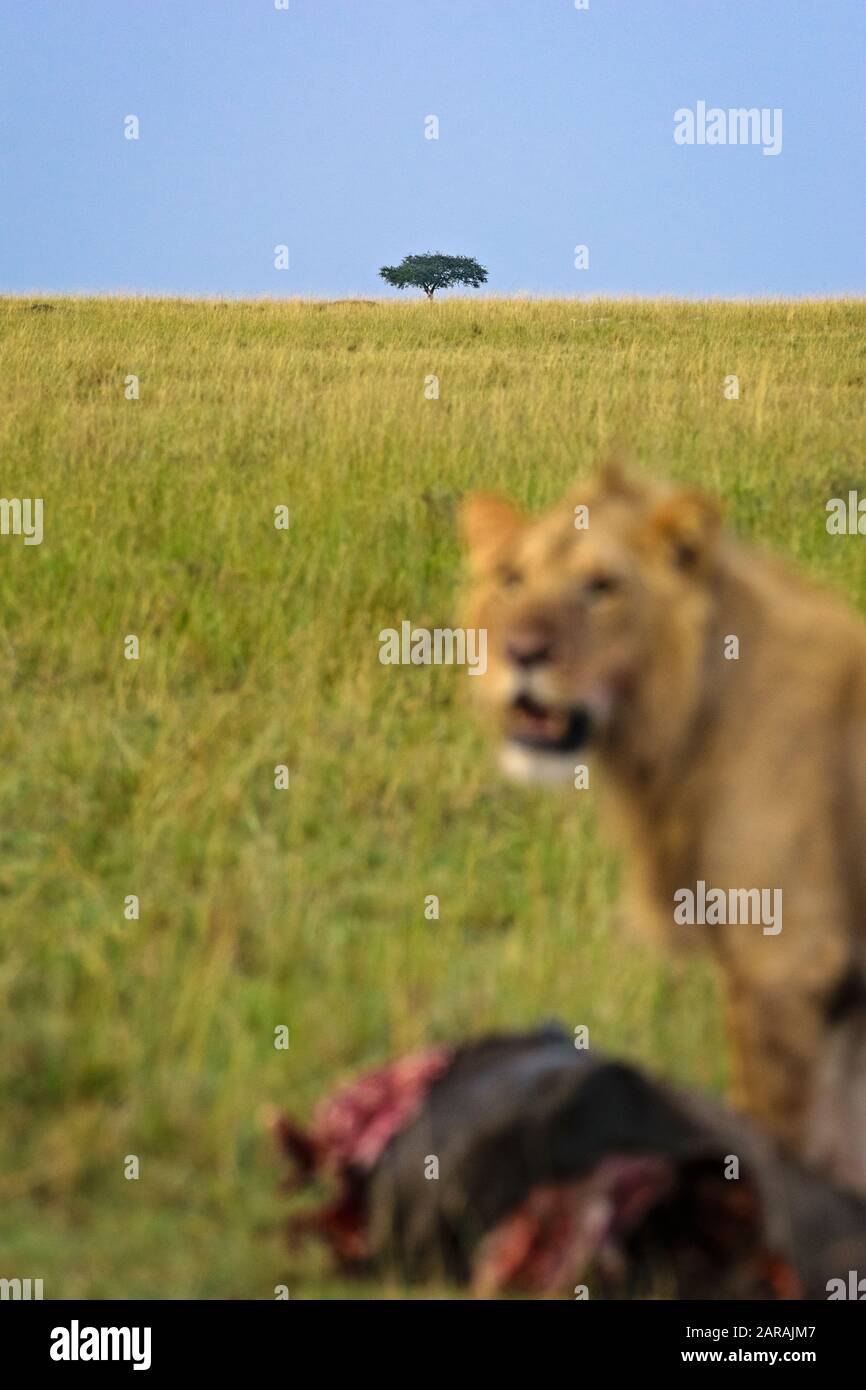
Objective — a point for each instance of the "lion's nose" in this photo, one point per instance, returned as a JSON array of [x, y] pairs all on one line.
[[528, 649]]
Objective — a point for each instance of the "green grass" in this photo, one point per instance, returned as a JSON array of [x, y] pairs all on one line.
[[259, 647]]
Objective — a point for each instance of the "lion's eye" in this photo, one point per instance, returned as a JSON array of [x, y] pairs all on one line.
[[509, 576], [685, 556], [599, 584]]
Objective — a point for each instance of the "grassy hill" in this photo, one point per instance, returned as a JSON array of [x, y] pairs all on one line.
[[155, 1037]]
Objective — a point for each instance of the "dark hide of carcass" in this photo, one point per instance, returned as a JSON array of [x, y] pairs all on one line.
[[520, 1163]]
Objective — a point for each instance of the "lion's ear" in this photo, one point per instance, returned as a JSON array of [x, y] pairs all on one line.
[[687, 524], [615, 478], [487, 524]]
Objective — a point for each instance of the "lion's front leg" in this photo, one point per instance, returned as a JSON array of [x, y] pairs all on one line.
[[775, 1040], [780, 993]]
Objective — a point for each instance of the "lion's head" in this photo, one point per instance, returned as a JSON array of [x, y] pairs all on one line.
[[597, 615]]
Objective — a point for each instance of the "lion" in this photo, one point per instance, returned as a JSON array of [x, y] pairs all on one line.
[[722, 699]]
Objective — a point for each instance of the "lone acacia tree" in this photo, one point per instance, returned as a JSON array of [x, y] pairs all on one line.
[[434, 272]]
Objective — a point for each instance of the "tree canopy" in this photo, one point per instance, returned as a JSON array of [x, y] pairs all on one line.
[[433, 271]]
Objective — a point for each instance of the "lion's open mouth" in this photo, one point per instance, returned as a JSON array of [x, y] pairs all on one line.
[[548, 730]]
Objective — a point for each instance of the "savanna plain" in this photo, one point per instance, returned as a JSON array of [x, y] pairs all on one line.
[[304, 907]]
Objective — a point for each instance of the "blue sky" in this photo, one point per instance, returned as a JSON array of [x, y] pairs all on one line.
[[305, 127]]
